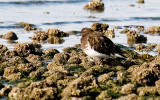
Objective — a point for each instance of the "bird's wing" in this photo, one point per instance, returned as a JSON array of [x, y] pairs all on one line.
[[102, 44]]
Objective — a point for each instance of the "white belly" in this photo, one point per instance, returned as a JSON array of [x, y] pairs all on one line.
[[92, 53]]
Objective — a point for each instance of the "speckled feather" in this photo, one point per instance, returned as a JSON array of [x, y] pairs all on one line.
[[99, 42]]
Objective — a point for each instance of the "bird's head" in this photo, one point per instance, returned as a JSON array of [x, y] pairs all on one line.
[[86, 31]]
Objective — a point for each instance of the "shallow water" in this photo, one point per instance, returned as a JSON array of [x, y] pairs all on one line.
[[68, 15]]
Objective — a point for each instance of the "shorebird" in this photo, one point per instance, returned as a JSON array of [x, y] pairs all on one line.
[[98, 46]]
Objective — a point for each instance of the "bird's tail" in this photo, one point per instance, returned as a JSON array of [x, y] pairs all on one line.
[[121, 52]]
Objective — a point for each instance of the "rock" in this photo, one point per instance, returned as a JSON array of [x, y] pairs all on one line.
[[10, 36], [147, 48], [11, 53], [55, 40], [4, 91], [130, 97], [125, 31], [38, 73], [24, 49], [147, 73], [140, 28], [95, 71], [27, 68], [61, 57], [71, 49], [97, 5], [102, 79], [122, 76], [110, 33], [104, 96], [54, 77], [41, 91], [147, 90], [74, 60], [56, 33], [9, 70], [35, 59], [99, 27], [27, 26], [12, 73], [17, 94], [134, 36], [40, 35], [3, 49], [50, 52], [34, 92], [153, 29], [80, 87], [128, 89], [140, 1]]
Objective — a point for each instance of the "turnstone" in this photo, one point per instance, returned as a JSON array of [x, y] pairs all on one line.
[[98, 46]]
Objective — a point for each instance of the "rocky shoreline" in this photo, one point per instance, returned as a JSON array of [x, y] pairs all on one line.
[[29, 72]]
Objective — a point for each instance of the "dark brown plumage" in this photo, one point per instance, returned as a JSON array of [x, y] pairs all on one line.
[[98, 46]]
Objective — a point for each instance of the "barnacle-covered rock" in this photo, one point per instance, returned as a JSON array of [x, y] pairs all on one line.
[[153, 29], [35, 59], [134, 36], [4, 91], [104, 95], [147, 73], [147, 90], [12, 73], [61, 57], [27, 68], [140, 1], [99, 27], [9, 70], [54, 77], [56, 33], [80, 87], [140, 28], [128, 89], [14, 61], [50, 52], [71, 49], [56, 67], [55, 40], [102, 79], [130, 97], [24, 49], [95, 5], [110, 33], [95, 71], [38, 73], [3, 49], [74, 60], [27, 26], [158, 49], [142, 47], [17, 94], [41, 91], [11, 53], [10, 36], [36, 91], [61, 84], [122, 76], [125, 31], [24, 84], [40, 35], [75, 69]]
